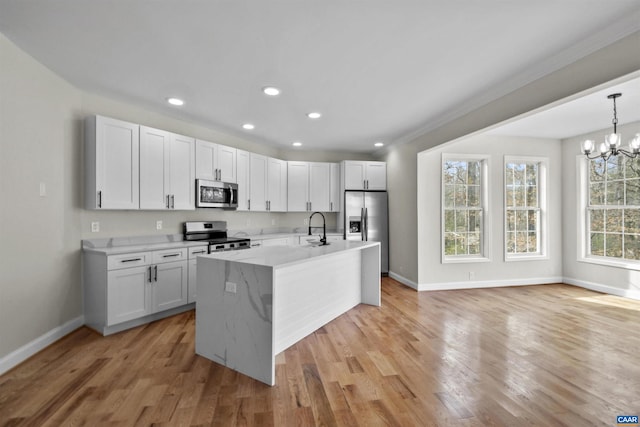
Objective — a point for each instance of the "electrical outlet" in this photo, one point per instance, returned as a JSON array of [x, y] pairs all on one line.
[[95, 227], [230, 287], [158, 225], [472, 275], [306, 221], [273, 222], [43, 189]]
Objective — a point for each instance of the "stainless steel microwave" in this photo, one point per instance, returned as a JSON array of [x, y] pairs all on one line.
[[215, 194]]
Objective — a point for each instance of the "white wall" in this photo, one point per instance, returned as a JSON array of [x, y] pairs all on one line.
[[40, 250], [432, 274], [41, 141], [602, 278]]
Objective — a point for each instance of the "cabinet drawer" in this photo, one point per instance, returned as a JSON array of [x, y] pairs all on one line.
[[169, 255], [136, 259], [197, 250]]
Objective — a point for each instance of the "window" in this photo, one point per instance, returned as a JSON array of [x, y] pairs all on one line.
[[464, 208], [524, 201], [613, 208]]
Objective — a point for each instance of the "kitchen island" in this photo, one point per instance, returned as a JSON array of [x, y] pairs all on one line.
[[253, 304]]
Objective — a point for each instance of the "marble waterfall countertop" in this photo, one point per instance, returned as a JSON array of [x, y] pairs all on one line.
[[275, 256]]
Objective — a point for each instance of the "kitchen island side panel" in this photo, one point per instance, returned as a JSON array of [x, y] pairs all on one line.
[[235, 329], [309, 295]]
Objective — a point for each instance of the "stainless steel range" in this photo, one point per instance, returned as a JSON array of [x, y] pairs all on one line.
[[214, 232]]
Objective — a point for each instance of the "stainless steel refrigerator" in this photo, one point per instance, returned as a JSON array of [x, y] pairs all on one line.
[[367, 218]]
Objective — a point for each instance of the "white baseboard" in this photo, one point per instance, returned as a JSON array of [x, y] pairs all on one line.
[[26, 351], [488, 283], [598, 287], [403, 280]]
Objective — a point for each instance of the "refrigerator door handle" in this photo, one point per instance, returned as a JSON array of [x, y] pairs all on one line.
[[366, 225], [362, 224]]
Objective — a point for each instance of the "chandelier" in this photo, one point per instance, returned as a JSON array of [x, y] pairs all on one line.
[[611, 145]]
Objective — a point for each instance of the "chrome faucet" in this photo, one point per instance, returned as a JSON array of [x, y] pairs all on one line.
[[323, 239]]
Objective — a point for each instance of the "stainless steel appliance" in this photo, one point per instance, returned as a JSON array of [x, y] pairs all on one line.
[[215, 233], [215, 194], [367, 218]]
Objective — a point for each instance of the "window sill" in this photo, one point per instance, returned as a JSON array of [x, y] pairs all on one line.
[[532, 257], [464, 259], [608, 262]]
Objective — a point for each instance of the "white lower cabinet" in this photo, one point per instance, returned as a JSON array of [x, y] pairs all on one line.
[[123, 291], [193, 270]]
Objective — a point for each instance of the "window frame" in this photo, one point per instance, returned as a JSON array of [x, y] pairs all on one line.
[[542, 232], [583, 229], [485, 254]]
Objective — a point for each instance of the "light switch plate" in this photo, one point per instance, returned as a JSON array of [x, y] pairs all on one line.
[[158, 225], [230, 287]]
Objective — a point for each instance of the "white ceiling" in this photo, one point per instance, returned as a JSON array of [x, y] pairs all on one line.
[[378, 70]]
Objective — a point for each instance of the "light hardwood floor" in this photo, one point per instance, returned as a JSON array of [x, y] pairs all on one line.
[[552, 355]]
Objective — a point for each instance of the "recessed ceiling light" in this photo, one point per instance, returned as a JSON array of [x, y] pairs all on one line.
[[248, 126], [271, 91], [297, 144], [379, 144], [314, 115], [175, 101]]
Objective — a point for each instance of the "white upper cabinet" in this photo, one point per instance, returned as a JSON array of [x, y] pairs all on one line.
[[257, 183], [167, 170], [334, 191], [298, 186], [267, 184], [276, 185], [361, 175], [215, 162], [112, 164], [308, 186], [242, 174]]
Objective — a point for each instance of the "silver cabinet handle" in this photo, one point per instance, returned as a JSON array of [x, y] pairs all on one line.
[[331, 206], [100, 198], [168, 201], [149, 274], [155, 269], [131, 260], [198, 252], [173, 201], [310, 206], [248, 204]]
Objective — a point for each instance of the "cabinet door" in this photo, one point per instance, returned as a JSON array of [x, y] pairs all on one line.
[[170, 285], [376, 175], [193, 280], [112, 162], [297, 186], [181, 170], [242, 168], [277, 185], [154, 163], [227, 164], [319, 186], [354, 175], [128, 294], [334, 197], [257, 183], [206, 160]]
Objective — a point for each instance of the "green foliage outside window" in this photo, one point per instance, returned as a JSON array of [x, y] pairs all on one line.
[[522, 207], [614, 207], [462, 200]]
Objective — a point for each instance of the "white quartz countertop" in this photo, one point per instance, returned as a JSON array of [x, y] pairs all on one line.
[[117, 250], [277, 256]]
